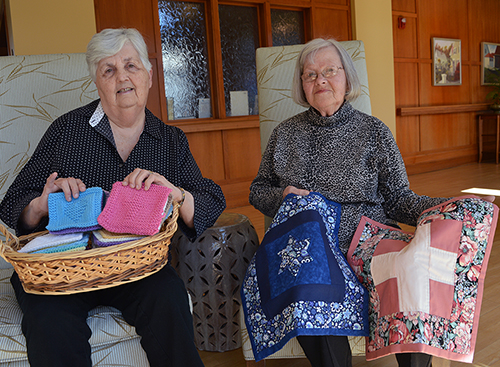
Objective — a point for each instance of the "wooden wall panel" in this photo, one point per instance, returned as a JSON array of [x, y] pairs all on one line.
[[408, 135], [446, 137], [406, 79], [241, 158], [444, 19], [405, 40], [136, 14], [404, 5], [206, 148], [484, 19], [335, 2], [154, 100], [331, 23], [444, 131]]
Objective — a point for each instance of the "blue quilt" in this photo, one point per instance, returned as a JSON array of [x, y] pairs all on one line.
[[299, 282]]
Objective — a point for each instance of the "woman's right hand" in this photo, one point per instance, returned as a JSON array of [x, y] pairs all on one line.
[[39, 207], [295, 191]]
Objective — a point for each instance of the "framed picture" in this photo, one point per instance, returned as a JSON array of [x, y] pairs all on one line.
[[446, 62], [490, 63]]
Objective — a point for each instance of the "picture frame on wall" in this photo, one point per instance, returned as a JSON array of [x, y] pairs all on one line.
[[446, 62], [490, 63]]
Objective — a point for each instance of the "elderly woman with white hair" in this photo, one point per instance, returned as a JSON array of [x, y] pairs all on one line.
[[112, 139], [349, 157]]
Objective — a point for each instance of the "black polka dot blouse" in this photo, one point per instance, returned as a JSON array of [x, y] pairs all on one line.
[[80, 144]]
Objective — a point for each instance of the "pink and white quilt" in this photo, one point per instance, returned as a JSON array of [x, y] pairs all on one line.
[[426, 287]]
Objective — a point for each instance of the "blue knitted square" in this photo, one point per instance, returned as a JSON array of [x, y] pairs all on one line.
[[72, 246], [78, 213]]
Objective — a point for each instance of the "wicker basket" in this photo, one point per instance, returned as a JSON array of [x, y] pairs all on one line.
[[88, 270]]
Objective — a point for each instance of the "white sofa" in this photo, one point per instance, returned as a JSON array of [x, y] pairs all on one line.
[[275, 69], [34, 90]]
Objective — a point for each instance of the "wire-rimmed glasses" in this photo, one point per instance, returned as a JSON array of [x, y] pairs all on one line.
[[329, 72]]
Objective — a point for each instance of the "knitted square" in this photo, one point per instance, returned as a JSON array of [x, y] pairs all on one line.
[[50, 240], [103, 238], [79, 214], [73, 246], [129, 210]]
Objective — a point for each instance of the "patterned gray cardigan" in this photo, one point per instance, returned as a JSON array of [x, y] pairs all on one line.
[[350, 158]]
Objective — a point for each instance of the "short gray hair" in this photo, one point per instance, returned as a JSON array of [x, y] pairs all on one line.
[[309, 51], [109, 42]]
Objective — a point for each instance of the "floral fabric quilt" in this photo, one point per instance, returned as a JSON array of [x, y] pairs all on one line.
[[299, 282], [426, 288]]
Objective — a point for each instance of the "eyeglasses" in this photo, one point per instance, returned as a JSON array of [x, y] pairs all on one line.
[[327, 73]]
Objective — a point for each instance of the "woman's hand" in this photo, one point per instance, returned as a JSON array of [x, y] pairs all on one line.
[[143, 176], [140, 176], [490, 198], [39, 207], [295, 191]]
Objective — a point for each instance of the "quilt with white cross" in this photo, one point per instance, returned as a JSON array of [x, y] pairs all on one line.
[[299, 282], [426, 287]]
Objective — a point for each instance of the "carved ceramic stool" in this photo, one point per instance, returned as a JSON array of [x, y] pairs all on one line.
[[213, 268]]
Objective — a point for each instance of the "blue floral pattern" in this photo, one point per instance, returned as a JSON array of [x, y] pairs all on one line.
[[299, 316], [451, 338]]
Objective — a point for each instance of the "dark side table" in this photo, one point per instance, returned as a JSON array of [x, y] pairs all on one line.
[[212, 268], [489, 115]]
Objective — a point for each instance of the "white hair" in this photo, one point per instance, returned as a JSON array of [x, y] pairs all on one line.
[[109, 42]]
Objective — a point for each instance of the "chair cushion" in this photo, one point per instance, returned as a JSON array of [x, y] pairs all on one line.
[[113, 341]]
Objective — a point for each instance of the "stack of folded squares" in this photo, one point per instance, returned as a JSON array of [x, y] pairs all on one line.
[[101, 219]]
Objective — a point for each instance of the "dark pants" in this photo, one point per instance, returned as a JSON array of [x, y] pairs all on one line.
[[414, 360], [327, 351], [334, 351], [57, 333]]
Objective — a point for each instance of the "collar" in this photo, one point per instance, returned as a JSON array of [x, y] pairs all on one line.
[[150, 125], [339, 118]]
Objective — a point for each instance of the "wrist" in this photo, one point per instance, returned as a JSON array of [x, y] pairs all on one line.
[[183, 196], [36, 208]]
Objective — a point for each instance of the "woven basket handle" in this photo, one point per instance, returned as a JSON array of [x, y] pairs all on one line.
[[8, 237]]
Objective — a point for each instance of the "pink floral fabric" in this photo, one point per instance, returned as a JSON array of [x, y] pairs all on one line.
[[426, 287]]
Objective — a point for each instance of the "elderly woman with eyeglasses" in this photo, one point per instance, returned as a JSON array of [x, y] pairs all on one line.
[[347, 156]]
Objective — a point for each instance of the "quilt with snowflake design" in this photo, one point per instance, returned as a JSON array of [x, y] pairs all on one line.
[[426, 287], [299, 282]]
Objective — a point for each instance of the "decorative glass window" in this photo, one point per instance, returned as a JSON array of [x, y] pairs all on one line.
[[188, 48], [185, 59], [239, 35], [287, 27]]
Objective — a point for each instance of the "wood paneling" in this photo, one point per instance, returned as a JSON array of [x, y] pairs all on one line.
[[207, 151], [405, 45], [240, 157], [406, 83], [443, 116], [408, 135], [324, 18], [404, 6], [444, 131]]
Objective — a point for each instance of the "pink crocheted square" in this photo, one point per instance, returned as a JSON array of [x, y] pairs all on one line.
[[134, 211]]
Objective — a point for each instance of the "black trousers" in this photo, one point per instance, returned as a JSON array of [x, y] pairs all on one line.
[[57, 333], [334, 351]]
